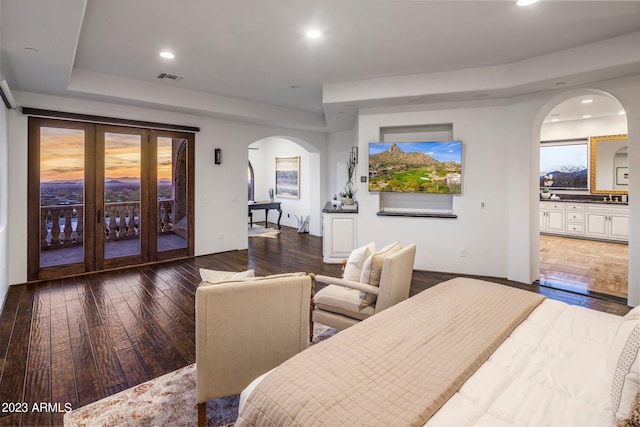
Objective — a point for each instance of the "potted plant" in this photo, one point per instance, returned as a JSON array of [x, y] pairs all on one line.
[[547, 183], [349, 189]]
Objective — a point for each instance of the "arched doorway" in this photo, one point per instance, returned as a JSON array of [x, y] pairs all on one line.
[[263, 156], [578, 251]]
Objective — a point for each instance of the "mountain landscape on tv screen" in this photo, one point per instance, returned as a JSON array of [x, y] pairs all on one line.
[[567, 180], [395, 170]]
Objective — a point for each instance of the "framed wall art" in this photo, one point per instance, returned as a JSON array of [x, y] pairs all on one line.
[[288, 177], [622, 176]]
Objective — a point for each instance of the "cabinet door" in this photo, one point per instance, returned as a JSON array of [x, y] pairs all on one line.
[[343, 236], [543, 222], [555, 222], [619, 226], [597, 224]]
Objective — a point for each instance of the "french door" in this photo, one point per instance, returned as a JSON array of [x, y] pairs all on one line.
[[103, 196]]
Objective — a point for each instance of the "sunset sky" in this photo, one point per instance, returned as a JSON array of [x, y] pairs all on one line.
[[62, 155]]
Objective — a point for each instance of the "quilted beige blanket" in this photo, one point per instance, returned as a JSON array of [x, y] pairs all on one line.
[[397, 367]]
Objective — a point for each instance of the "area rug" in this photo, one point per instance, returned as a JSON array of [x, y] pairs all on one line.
[[169, 400], [261, 231]]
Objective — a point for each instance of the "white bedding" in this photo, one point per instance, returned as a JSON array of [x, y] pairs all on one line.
[[551, 371]]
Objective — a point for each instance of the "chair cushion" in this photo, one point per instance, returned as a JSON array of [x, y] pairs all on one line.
[[341, 300], [372, 270], [214, 276], [622, 364], [353, 269]]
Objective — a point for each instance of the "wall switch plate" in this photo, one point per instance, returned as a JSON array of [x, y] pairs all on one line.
[[463, 252], [363, 179], [482, 205]]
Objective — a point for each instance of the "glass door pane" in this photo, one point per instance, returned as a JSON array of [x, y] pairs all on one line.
[[62, 196], [172, 207], [122, 195]]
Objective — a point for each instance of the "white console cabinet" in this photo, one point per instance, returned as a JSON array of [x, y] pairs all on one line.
[[339, 236], [586, 220], [607, 222]]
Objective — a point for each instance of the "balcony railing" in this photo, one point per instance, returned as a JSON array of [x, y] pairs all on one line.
[[63, 226]]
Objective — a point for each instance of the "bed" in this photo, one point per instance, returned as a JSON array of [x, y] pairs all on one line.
[[463, 353]]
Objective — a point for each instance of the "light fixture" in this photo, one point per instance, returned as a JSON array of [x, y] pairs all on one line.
[[622, 113], [314, 34], [166, 54], [588, 116], [587, 101], [526, 2], [217, 156], [555, 120], [6, 95]]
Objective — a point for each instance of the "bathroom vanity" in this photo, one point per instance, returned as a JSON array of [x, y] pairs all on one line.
[[585, 219]]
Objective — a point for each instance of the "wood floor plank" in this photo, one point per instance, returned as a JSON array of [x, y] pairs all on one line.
[[107, 363], [15, 365], [40, 344], [136, 371], [87, 379], [37, 391]]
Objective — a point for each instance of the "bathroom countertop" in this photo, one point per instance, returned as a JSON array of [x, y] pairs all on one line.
[[598, 202]]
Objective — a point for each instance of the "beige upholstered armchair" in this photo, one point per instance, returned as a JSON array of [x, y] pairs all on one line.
[[384, 281], [246, 327]]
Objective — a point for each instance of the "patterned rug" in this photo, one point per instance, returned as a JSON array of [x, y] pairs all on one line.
[[261, 231], [169, 400]]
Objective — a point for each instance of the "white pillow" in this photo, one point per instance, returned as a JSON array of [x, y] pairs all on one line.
[[622, 365], [214, 276], [372, 270], [353, 269]]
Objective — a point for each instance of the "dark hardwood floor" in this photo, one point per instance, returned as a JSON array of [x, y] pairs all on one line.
[[79, 339]]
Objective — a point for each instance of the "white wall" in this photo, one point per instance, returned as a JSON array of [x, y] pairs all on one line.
[[585, 128], [500, 166], [4, 165], [485, 168], [220, 190], [263, 161], [4, 283], [340, 144]]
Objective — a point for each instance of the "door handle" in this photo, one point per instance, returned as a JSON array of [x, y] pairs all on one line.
[[99, 218]]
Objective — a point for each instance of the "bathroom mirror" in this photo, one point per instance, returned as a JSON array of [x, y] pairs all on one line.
[[609, 163]]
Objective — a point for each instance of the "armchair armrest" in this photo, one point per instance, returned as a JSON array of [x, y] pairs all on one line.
[[348, 284]]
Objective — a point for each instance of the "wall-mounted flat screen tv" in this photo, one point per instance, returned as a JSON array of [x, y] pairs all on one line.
[[416, 167]]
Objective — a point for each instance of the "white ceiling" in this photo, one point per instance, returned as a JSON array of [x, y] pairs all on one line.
[[249, 59]]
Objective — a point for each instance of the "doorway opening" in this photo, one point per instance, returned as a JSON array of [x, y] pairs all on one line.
[[583, 212]]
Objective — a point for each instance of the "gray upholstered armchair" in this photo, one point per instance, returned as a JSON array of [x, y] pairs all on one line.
[[246, 327], [346, 302]]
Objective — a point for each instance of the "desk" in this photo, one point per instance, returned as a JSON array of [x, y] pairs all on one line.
[[266, 206]]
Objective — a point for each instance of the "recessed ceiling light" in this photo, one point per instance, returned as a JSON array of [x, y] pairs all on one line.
[[555, 120], [587, 101], [586, 117], [526, 2], [167, 55], [622, 112], [314, 34]]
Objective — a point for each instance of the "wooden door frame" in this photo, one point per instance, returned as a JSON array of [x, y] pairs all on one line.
[[34, 271], [93, 198], [190, 141]]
